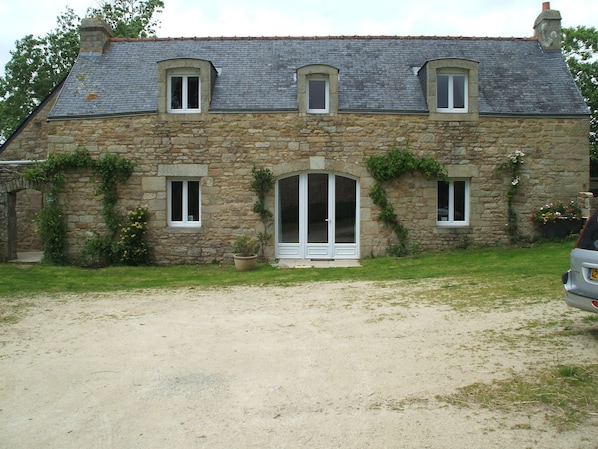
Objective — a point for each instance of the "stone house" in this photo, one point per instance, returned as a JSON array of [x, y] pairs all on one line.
[[197, 114]]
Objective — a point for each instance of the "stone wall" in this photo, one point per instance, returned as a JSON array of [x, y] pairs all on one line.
[[19, 202], [29, 202], [227, 146], [29, 143]]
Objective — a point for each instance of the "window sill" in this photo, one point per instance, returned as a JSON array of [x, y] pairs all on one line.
[[182, 116], [454, 116], [449, 228], [183, 111], [179, 229]]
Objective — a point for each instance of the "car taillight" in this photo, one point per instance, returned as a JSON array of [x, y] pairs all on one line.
[[595, 304]]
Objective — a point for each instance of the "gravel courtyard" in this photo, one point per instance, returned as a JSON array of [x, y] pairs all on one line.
[[321, 365]]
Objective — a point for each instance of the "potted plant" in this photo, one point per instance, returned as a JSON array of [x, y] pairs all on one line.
[[245, 250], [558, 219]]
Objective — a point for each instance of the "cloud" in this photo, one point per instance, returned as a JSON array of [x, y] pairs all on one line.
[[242, 21]]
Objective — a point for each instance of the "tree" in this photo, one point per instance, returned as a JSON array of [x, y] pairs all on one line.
[[580, 47], [39, 64], [129, 18]]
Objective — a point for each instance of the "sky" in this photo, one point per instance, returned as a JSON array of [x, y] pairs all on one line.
[[196, 18]]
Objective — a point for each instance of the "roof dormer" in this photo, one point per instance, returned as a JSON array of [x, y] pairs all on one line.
[[185, 88], [317, 89], [451, 89]]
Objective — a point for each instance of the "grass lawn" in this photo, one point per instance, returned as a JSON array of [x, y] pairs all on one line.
[[534, 270]]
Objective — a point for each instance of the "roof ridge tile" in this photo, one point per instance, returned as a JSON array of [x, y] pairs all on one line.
[[299, 38]]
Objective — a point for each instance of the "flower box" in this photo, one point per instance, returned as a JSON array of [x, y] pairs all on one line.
[[560, 229], [558, 220]]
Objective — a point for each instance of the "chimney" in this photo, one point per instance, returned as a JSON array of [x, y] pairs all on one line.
[[547, 28], [94, 35]]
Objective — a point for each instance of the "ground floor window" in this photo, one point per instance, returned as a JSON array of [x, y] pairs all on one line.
[[184, 202], [453, 202]]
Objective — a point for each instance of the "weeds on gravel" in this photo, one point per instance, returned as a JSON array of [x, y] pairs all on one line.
[[12, 310], [566, 395]]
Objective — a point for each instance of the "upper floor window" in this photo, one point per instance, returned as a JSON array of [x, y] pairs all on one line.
[[185, 88], [451, 89], [183, 92], [451, 95], [453, 203], [317, 95], [317, 89]]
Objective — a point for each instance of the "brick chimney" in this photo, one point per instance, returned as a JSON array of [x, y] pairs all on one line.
[[547, 28], [94, 35]]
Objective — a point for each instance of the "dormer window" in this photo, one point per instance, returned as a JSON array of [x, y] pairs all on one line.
[[451, 89], [185, 88], [317, 89], [451, 93], [183, 92], [317, 95]]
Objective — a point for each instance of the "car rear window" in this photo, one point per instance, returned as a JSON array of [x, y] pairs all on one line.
[[588, 238]]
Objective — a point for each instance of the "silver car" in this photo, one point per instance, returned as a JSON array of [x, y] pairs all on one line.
[[581, 281]]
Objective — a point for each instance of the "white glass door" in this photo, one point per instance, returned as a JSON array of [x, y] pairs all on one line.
[[317, 217]]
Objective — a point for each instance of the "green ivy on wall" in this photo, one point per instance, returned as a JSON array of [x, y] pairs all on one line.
[[398, 162], [513, 168], [110, 170]]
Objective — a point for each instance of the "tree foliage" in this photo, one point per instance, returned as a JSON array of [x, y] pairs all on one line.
[[39, 64], [580, 47], [129, 18]]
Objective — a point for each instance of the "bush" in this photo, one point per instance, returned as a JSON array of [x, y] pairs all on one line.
[[132, 248], [51, 227], [99, 251], [245, 246]]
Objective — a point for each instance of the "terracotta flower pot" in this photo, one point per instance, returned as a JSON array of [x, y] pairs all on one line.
[[245, 263]]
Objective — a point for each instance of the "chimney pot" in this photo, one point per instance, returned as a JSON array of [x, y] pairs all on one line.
[[545, 6]]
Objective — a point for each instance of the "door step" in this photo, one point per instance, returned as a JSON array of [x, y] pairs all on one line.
[[317, 263]]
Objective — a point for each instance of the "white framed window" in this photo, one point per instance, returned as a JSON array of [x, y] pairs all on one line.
[[453, 203], [184, 92], [184, 202], [317, 95], [451, 95]]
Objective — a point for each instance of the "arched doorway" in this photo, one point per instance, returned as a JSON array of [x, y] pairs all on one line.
[[19, 202], [317, 216]]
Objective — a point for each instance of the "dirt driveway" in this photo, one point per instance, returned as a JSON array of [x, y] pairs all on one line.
[[326, 365]]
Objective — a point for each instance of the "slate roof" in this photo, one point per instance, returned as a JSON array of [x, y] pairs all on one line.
[[376, 74]]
